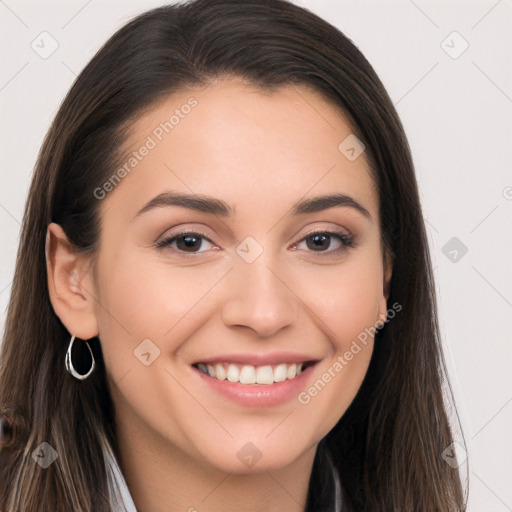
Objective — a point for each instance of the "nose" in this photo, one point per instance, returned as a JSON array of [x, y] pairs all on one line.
[[259, 299]]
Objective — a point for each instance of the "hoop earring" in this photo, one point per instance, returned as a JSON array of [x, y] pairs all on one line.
[[69, 364]]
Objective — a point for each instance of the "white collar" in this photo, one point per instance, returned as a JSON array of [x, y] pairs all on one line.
[[120, 497]]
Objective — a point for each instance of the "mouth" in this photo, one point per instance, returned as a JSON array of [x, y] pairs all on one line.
[[256, 380], [247, 374]]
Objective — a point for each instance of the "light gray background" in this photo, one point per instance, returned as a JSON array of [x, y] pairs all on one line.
[[457, 115]]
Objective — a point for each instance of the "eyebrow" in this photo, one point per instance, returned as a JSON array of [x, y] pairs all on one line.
[[317, 204], [207, 204], [195, 202]]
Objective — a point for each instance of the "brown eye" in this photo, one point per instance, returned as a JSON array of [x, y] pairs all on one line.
[[185, 242], [319, 241], [189, 243], [327, 242]]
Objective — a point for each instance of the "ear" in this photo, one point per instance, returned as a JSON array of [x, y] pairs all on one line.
[[386, 287], [70, 284]]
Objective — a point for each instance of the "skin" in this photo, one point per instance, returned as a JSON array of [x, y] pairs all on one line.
[[260, 152]]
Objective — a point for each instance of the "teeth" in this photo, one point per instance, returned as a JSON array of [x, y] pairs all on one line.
[[264, 375], [233, 374], [220, 372], [292, 371], [280, 373], [248, 374]]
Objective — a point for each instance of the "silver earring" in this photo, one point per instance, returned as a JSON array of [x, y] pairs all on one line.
[[69, 364]]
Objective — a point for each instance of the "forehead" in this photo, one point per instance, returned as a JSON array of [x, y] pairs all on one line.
[[244, 145]]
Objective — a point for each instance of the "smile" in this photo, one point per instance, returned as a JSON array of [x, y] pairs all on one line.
[[249, 374], [257, 379]]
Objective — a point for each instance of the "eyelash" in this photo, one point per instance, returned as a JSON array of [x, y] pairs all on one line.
[[347, 241]]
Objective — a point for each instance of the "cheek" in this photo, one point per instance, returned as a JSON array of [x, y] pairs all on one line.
[[345, 299], [150, 300], [345, 303]]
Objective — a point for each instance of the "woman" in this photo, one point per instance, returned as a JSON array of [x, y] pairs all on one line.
[[223, 285]]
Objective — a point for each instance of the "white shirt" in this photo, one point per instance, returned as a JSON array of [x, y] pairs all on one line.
[[120, 497]]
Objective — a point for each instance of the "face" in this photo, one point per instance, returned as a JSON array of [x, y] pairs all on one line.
[[232, 321]]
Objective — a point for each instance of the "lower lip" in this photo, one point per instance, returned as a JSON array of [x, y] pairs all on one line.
[[258, 395]]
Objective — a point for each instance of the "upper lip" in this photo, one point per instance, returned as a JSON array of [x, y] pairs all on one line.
[[272, 358]]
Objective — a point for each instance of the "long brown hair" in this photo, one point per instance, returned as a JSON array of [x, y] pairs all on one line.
[[388, 445]]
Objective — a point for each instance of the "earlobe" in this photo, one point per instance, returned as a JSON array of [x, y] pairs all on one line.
[[70, 284]]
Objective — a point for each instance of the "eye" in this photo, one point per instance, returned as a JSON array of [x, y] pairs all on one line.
[[186, 242], [328, 242]]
